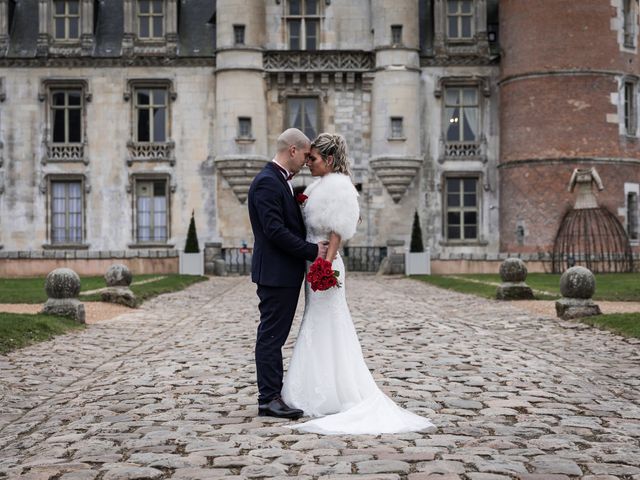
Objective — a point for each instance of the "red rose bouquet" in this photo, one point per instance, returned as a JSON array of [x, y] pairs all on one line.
[[301, 198], [322, 276]]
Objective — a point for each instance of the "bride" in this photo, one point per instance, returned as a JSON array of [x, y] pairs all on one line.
[[327, 375]]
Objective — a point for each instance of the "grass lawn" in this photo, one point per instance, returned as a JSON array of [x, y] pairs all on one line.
[[18, 330], [627, 324], [31, 290], [616, 287]]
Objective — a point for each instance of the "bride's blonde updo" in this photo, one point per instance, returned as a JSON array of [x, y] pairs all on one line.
[[333, 144]]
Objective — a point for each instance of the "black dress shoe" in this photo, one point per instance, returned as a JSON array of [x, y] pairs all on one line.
[[277, 408]]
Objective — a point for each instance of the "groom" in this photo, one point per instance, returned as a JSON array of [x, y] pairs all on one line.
[[278, 264]]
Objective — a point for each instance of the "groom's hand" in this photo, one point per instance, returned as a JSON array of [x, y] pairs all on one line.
[[322, 249]]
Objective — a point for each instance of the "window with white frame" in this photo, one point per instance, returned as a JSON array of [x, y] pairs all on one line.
[[302, 113], [302, 19], [461, 208], [460, 19], [630, 107], [66, 212], [151, 213], [66, 20], [151, 19], [461, 119], [629, 22], [66, 105], [151, 120]]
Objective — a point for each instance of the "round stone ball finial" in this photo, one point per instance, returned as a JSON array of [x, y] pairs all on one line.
[[118, 275], [577, 282], [513, 270], [62, 283]]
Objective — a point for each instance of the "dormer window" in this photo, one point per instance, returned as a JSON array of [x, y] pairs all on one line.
[[303, 24], [66, 20], [460, 19], [151, 19]]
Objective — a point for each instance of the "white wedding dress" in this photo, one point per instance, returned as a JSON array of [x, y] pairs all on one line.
[[327, 375]]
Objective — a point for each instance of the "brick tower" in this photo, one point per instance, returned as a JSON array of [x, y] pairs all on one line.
[[569, 98]]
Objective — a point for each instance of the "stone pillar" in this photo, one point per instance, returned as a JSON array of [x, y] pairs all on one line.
[[212, 252], [513, 273], [577, 286], [4, 27], [118, 278], [44, 23], [129, 27], [395, 256], [63, 287], [86, 27], [396, 156], [172, 27]]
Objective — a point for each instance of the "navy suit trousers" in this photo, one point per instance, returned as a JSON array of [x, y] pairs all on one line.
[[277, 309]]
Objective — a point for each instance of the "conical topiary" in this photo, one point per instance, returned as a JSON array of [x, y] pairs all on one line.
[[192, 238], [416, 235]]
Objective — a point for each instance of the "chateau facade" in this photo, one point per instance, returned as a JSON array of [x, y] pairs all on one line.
[[118, 118]]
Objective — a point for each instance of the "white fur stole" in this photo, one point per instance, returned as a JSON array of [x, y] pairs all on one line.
[[333, 205]]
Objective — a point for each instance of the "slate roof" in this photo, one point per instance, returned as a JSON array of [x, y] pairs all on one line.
[[24, 29], [196, 28], [109, 28]]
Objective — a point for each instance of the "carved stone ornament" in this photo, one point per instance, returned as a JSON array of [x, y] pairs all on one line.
[[239, 170], [396, 173], [318, 61]]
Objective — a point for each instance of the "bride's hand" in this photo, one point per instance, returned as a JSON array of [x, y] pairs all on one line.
[[322, 249], [334, 246]]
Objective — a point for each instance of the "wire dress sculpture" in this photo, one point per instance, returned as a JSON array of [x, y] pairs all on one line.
[[589, 235]]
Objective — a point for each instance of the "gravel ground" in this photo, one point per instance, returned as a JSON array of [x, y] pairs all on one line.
[[95, 311], [548, 308]]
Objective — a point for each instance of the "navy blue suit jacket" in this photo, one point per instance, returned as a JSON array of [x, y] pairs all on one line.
[[280, 249]]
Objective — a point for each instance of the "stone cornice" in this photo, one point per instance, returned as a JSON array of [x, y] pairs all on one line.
[[78, 62]]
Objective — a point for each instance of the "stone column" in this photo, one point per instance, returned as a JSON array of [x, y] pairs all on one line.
[[44, 27], [172, 27], [86, 27], [4, 27], [129, 27]]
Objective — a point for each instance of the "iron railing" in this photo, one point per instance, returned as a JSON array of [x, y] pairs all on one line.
[[237, 260], [363, 259], [356, 259]]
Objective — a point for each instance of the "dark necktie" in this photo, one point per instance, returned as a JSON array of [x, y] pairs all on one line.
[[289, 175]]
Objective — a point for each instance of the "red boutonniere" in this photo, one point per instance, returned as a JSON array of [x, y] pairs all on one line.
[[322, 276], [301, 198]]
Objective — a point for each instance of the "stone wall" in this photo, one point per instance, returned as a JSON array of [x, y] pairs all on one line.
[[86, 263]]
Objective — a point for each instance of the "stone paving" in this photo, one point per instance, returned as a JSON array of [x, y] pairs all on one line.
[[168, 391]]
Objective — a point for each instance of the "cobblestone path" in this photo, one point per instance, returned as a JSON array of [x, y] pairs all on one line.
[[168, 392]]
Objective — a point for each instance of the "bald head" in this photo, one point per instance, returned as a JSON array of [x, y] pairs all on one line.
[[292, 136], [293, 147]]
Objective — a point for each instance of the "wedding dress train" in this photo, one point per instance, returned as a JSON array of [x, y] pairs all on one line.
[[327, 375]]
